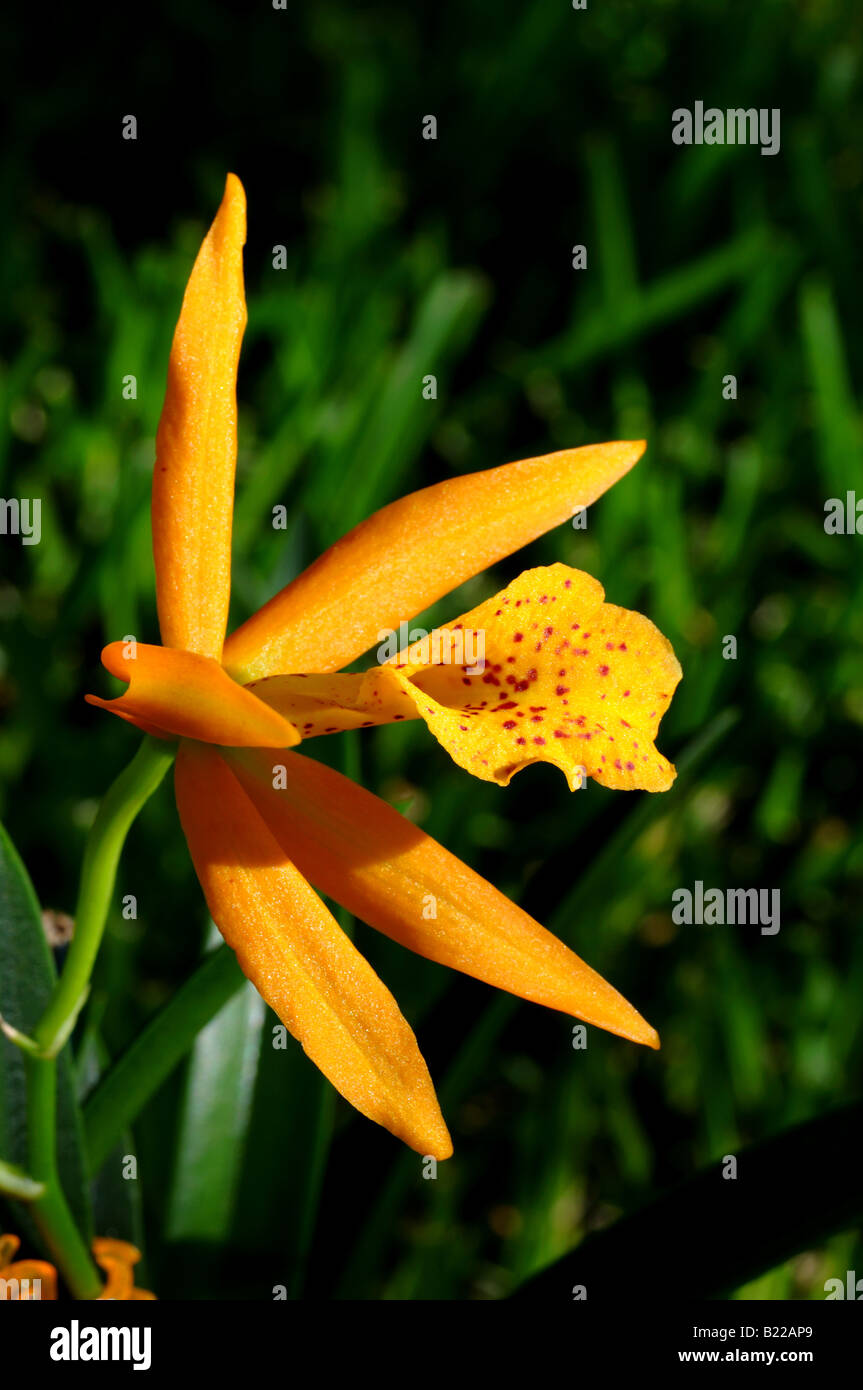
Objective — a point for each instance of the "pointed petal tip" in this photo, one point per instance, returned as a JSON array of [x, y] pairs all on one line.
[[639, 1031], [432, 1141], [234, 206]]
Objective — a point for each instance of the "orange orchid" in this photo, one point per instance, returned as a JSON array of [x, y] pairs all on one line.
[[25, 1280], [567, 678]]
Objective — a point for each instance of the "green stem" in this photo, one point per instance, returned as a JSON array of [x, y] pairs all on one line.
[[51, 1211], [119, 808]]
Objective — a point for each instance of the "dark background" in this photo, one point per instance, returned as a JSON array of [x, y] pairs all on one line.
[[454, 257]]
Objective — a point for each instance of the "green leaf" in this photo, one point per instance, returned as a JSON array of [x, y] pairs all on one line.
[[157, 1050], [721, 1231], [219, 1088], [26, 980]]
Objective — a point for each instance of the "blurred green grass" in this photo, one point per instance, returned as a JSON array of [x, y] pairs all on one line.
[[702, 262]]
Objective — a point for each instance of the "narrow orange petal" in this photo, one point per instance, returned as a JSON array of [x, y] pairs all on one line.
[[179, 693], [196, 443], [299, 959], [358, 850], [408, 555]]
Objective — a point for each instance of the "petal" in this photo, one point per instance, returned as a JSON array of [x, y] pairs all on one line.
[[299, 959], [568, 679], [358, 850], [408, 555], [330, 704], [119, 1280], [196, 443], [179, 693], [31, 1271], [116, 1258]]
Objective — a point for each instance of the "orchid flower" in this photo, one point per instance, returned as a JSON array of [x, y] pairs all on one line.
[[567, 679]]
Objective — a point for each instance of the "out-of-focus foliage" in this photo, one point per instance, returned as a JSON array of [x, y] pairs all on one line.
[[407, 257]]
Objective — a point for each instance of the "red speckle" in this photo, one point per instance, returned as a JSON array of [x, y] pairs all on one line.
[[518, 637], [531, 674], [521, 740], [509, 724], [626, 692], [609, 646], [618, 764], [558, 733], [510, 704], [536, 719], [562, 690], [630, 767], [621, 647], [540, 741], [465, 680], [602, 670], [567, 583]]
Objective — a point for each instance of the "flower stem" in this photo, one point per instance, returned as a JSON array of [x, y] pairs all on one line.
[[120, 806], [118, 810], [51, 1211]]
